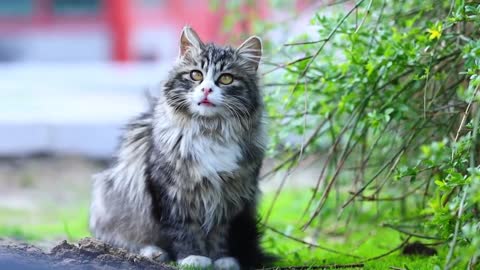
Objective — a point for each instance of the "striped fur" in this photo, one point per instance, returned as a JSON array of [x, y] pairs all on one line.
[[184, 184]]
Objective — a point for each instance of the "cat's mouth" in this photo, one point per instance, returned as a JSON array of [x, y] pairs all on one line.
[[206, 102]]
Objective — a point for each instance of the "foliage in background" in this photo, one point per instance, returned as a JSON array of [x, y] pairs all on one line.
[[386, 92]]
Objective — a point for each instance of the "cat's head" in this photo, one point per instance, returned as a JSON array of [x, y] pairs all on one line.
[[214, 81]]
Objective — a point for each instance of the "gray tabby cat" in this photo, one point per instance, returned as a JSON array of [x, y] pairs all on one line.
[[184, 185]]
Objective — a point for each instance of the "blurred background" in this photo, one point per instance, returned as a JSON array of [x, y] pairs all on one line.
[[73, 72], [372, 108]]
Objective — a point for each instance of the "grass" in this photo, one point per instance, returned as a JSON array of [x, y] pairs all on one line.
[[48, 222], [363, 236]]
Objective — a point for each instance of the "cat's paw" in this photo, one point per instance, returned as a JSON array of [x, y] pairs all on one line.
[[226, 263], [194, 261], [154, 253]]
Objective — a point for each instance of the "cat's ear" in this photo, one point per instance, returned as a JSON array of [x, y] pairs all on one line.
[[251, 49], [189, 40]]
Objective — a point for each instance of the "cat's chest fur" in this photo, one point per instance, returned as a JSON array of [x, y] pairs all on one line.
[[207, 157], [208, 180], [197, 155]]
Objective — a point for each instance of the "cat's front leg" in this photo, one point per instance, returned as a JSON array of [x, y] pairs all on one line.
[[219, 249], [189, 245]]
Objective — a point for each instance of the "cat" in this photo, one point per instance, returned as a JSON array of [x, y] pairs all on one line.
[[184, 185]]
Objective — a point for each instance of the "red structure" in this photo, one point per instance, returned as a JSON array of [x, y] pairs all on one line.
[[120, 20], [120, 27]]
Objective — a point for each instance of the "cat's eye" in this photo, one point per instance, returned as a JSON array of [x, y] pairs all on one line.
[[226, 79], [196, 75]]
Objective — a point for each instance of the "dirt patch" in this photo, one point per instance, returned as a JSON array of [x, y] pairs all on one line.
[[88, 253], [418, 248]]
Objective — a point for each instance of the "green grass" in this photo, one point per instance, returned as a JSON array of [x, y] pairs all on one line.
[[363, 236], [48, 222]]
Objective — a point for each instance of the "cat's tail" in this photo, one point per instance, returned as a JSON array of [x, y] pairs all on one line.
[[244, 240], [265, 259]]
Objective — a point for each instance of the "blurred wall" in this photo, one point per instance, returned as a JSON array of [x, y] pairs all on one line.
[[88, 30], [73, 72]]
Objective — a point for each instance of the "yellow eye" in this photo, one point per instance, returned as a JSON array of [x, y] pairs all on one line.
[[226, 79], [196, 75]]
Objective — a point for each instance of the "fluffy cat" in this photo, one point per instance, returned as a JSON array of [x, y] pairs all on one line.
[[184, 185]]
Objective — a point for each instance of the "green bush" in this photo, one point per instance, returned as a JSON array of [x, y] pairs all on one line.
[[391, 89], [387, 92]]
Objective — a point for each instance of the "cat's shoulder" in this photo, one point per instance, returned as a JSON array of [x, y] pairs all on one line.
[[137, 136]]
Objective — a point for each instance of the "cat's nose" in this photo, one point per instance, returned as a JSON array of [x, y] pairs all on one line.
[[207, 91]]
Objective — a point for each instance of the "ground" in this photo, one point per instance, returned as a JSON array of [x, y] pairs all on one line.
[[45, 200], [86, 254]]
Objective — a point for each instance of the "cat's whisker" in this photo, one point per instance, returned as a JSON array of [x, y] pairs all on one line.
[[240, 106], [232, 110]]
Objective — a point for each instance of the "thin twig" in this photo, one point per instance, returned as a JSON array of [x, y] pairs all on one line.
[[305, 112], [347, 151], [398, 229], [306, 267], [310, 140], [364, 17], [280, 66], [464, 117], [448, 265], [327, 39], [305, 42], [277, 192], [393, 160], [311, 244], [389, 252], [329, 157], [401, 197]]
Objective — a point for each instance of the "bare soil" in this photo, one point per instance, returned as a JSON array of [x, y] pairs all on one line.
[[87, 254]]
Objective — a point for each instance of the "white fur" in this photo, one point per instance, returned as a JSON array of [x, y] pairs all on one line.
[[155, 253], [226, 263], [211, 157], [195, 261], [215, 97]]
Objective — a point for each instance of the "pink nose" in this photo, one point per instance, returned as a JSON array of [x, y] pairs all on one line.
[[207, 91]]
